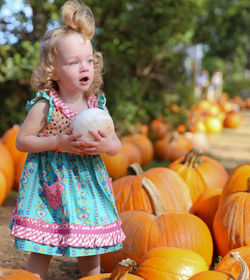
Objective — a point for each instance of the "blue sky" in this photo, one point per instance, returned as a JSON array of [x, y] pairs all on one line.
[[10, 7]]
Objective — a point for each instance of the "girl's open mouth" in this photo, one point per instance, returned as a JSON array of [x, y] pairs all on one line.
[[84, 79]]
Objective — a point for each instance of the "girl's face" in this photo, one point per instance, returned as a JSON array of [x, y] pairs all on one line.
[[74, 69]]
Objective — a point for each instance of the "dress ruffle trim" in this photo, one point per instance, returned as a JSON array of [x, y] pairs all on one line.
[[88, 236]]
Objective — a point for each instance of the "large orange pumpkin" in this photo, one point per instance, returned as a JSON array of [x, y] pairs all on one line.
[[206, 205], [170, 263], [3, 188], [237, 181], [231, 266], [120, 272], [200, 172], [143, 143], [7, 166], [11, 274], [130, 194], [231, 223], [145, 231], [9, 140]]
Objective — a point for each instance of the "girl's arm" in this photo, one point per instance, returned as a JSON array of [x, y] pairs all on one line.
[[28, 141]]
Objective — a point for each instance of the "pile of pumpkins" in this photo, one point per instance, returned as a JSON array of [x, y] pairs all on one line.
[[178, 219]]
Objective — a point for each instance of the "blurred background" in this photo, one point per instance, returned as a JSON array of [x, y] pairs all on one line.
[[154, 53]]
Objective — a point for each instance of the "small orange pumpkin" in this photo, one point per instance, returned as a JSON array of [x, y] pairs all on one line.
[[116, 165], [232, 120], [143, 143], [120, 272], [11, 274], [232, 267], [170, 263], [200, 172], [132, 152]]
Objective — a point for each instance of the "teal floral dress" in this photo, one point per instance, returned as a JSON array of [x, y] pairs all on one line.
[[65, 204]]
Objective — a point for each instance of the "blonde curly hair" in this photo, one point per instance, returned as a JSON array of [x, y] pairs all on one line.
[[77, 18]]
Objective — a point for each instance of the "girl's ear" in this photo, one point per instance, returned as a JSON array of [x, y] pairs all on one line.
[[54, 77]]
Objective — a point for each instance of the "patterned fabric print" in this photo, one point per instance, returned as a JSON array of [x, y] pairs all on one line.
[[84, 220], [58, 123]]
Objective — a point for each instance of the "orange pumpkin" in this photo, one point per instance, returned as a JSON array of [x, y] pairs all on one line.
[[3, 188], [143, 143], [9, 140], [132, 152], [116, 165], [200, 172], [11, 274], [230, 266], [19, 169], [232, 120], [173, 148], [211, 275], [237, 181], [145, 231], [158, 129], [170, 263], [7, 166], [130, 194], [206, 205], [120, 272], [231, 226]]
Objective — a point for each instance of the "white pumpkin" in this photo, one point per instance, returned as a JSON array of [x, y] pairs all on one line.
[[92, 119]]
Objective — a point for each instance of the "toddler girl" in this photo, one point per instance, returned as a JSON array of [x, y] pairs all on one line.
[[65, 204]]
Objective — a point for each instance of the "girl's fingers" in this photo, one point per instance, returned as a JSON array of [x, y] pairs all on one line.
[[67, 131], [95, 135], [102, 133]]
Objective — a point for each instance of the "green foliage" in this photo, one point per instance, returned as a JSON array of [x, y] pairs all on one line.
[[139, 41]]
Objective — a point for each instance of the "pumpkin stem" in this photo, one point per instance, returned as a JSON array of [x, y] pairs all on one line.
[[154, 196], [134, 169], [192, 158], [121, 269], [244, 274]]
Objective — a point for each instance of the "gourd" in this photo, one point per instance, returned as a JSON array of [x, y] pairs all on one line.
[[93, 119]]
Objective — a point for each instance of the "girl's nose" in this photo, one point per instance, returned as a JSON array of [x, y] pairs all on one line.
[[83, 68]]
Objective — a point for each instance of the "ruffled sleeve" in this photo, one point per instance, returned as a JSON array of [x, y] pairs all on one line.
[[102, 101], [42, 95]]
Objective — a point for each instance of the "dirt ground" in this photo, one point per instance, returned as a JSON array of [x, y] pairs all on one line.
[[231, 148]]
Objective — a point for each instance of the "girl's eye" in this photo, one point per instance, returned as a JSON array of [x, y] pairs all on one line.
[[90, 61], [73, 63]]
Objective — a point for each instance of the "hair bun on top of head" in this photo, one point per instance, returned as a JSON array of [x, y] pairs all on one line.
[[79, 17]]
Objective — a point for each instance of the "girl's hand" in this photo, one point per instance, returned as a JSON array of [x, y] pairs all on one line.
[[102, 143], [68, 143]]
